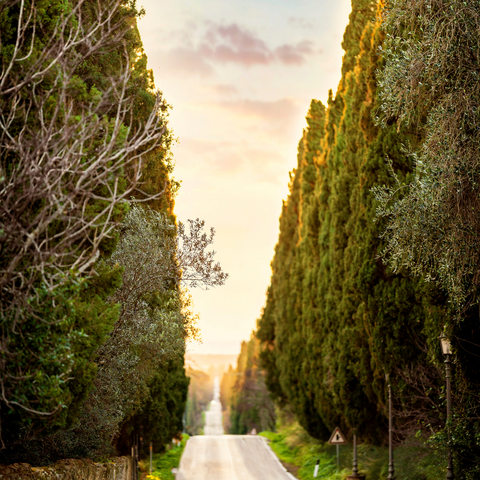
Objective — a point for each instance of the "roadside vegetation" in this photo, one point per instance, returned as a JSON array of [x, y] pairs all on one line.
[[163, 463], [94, 265], [244, 396], [200, 394], [299, 453]]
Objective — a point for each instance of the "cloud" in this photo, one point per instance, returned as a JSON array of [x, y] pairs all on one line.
[[185, 60], [294, 54], [266, 120], [200, 49], [223, 157], [225, 89], [230, 159], [231, 43], [272, 111]]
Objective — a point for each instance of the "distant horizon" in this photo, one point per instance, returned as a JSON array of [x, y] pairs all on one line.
[[212, 354], [234, 349], [208, 362]]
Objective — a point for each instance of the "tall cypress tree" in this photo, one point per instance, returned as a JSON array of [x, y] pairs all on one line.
[[249, 400], [57, 350], [336, 320]]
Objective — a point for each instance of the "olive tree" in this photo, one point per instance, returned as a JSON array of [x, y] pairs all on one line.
[[155, 320], [430, 86]]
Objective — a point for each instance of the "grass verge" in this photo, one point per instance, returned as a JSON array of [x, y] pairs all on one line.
[[163, 463], [299, 453]]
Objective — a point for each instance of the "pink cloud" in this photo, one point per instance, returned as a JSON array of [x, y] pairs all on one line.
[[231, 43], [223, 157], [230, 158], [275, 110], [185, 60], [239, 37], [276, 119], [294, 54]]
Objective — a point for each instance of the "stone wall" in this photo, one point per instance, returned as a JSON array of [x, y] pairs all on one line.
[[119, 468]]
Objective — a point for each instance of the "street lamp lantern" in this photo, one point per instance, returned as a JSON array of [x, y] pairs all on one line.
[[445, 344]]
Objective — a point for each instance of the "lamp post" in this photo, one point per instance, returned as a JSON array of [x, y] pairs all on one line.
[[447, 351], [355, 475], [391, 467], [355, 463]]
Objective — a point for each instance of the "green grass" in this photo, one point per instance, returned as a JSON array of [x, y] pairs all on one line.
[[164, 462], [294, 446]]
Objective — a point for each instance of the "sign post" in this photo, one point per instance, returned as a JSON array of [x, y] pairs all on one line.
[[151, 452], [337, 438]]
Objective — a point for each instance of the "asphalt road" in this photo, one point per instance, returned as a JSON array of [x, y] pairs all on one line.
[[230, 457], [213, 417], [215, 456]]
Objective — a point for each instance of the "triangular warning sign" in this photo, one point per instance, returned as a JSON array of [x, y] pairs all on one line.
[[337, 438]]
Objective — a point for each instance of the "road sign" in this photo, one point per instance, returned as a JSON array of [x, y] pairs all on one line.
[[337, 438]]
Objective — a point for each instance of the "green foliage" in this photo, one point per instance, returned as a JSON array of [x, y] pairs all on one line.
[[96, 317], [67, 105], [50, 344], [429, 85], [336, 319], [159, 419], [76, 337], [199, 397], [164, 462], [248, 398], [47, 228], [301, 452], [133, 372]]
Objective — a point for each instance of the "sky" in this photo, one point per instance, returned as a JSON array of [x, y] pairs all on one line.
[[240, 76]]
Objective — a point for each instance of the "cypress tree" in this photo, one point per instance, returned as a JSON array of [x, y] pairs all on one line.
[[57, 350], [250, 403], [336, 320], [159, 419]]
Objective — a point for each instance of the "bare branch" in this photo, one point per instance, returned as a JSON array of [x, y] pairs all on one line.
[[196, 263], [70, 157]]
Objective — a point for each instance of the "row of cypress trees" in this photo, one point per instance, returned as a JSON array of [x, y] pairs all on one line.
[[337, 320], [244, 396], [58, 382]]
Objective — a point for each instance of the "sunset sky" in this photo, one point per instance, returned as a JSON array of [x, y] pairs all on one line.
[[240, 75]]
